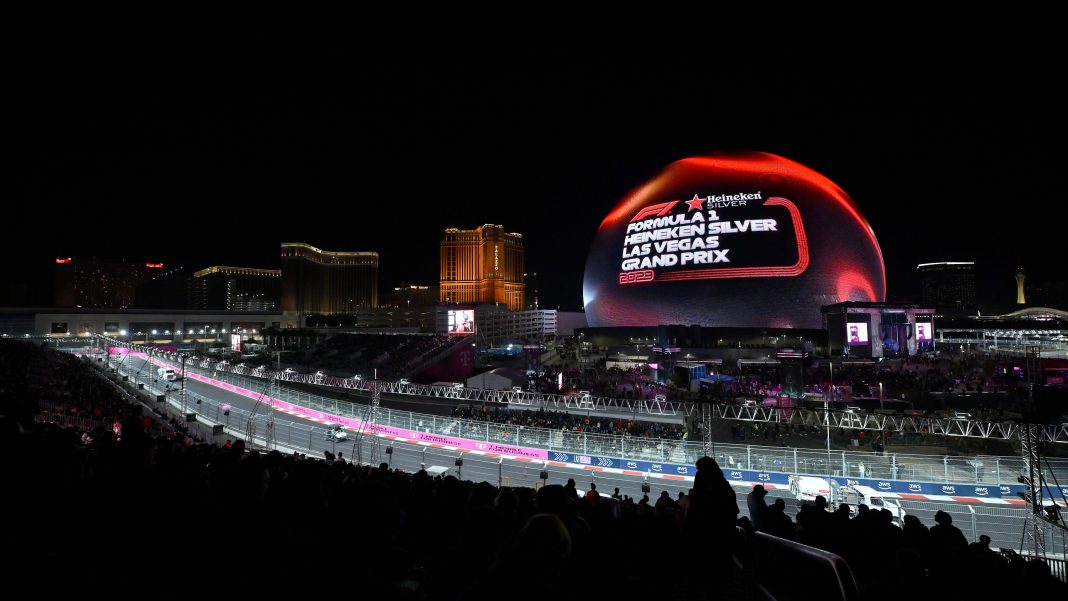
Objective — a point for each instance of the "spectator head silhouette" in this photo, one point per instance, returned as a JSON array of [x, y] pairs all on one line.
[[759, 491], [821, 502], [706, 464], [943, 518], [551, 498]]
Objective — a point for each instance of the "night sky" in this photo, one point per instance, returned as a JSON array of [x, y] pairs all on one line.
[[198, 152]]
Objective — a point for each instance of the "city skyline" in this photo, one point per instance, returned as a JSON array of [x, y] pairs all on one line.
[[949, 159]]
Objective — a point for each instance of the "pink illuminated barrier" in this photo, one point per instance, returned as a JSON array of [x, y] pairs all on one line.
[[402, 434]]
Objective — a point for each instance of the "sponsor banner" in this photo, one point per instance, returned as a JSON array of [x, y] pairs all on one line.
[[991, 491], [653, 467], [777, 478]]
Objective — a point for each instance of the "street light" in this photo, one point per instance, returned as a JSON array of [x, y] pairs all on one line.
[[827, 410]]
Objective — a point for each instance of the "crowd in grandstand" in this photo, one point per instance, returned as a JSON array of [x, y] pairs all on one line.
[[392, 356], [563, 420], [138, 511], [912, 379]]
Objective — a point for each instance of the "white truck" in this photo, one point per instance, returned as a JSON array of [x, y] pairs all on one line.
[[807, 488], [167, 373], [865, 495]]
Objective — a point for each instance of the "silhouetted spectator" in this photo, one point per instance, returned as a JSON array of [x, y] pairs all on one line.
[[592, 495], [758, 509], [945, 537], [710, 530], [778, 523], [570, 489]]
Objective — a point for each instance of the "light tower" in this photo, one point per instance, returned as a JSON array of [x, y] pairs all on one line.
[[1020, 299]]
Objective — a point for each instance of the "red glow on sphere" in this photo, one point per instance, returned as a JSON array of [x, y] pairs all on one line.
[[744, 239]]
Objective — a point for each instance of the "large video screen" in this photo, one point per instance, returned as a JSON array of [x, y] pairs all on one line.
[[857, 334], [713, 237], [720, 240], [235, 342], [462, 321], [924, 332]]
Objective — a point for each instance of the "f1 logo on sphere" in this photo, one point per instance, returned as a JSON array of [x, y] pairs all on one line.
[[658, 209]]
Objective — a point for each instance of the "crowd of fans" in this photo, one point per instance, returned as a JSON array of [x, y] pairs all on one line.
[[894, 561], [565, 421], [40, 384], [131, 511], [947, 375]]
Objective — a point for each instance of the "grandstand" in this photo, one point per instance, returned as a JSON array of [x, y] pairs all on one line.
[[115, 503]]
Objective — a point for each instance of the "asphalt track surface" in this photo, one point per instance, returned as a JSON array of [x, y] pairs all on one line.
[[1004, 524]]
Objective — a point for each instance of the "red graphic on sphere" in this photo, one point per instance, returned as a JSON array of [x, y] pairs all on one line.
[[733, 239]]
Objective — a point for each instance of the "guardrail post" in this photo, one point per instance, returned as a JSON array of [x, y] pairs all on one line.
[[845, 466], [584, 451], [486, 437], [972, 511], [945, 468], [795, 462], [433, 424], [748, 457], [997, 469], [893, 466], [516, 436]]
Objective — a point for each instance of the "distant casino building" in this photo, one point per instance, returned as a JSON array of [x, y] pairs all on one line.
[[100, 283], [483, 265], [320, 282], [235, 289], [948, 285]]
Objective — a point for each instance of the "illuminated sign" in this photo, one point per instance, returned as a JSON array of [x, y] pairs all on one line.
[[461, 321], [154, 265], [857, 334], [742, 239], [63, 260], [924, 332], [235, 342], [736, 235]]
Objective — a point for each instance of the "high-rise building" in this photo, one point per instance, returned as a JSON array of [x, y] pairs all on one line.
[[100, 283], [320, 282], [948, 285], [236, 289], [483, 265], [1021, 298]]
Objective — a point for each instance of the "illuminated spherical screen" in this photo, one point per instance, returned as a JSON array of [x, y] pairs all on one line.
[[745, 239]]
